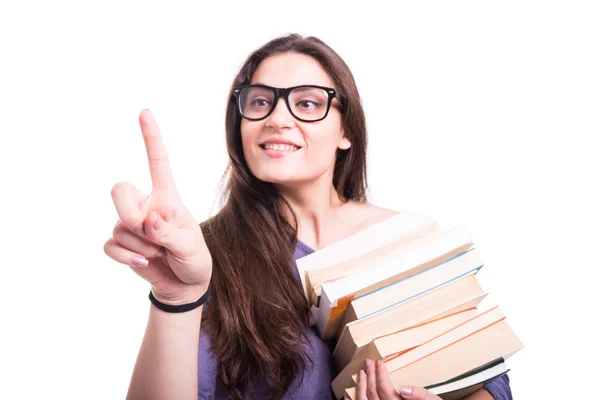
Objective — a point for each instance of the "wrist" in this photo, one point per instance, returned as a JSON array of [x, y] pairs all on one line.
[[188, 295]]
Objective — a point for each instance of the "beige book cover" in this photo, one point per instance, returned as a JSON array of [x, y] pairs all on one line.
[[454, 353], [460, 295], [389, 345]]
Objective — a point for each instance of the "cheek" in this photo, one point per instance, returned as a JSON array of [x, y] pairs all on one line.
[[321, 150], [323, 144], [249, 134]]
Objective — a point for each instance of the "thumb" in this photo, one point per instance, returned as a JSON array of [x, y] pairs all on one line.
[[158, 230], [416, 393]]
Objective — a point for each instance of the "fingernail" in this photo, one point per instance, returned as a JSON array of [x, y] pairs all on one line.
[[160, 253], [405, 391], [139, 261], [368, 363], [361, 375], [157, 223], [140, 231]]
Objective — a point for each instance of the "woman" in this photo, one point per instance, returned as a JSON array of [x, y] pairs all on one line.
[[297, 182]]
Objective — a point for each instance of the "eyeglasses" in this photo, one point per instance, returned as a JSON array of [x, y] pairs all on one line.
[[308, 103]]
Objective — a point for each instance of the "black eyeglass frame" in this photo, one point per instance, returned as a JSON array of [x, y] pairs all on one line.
[[285, 92]]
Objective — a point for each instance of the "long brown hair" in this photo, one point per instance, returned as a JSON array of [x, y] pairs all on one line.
[[257, 317]]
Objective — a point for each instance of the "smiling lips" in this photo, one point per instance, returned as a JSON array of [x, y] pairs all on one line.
[[278, 150], [280, 147]]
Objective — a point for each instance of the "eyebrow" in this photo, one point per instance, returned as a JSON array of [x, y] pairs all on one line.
[[302, 84]]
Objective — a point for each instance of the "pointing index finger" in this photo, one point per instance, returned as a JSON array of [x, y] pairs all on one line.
[[160, 170]]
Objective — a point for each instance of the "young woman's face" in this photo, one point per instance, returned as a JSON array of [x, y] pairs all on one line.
[[314, 144]]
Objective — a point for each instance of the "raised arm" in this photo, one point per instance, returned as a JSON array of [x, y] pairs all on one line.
[[162, 242]]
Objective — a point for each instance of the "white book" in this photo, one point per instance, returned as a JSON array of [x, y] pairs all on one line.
[[403, 227], [415, 285], [336, 295]]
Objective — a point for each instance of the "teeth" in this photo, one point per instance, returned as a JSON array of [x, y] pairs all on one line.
[[280, 147]]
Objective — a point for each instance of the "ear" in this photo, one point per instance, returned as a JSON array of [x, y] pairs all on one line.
[[344, 144]]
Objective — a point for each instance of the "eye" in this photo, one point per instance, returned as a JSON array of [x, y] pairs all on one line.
[[260, 103], [308, 104]]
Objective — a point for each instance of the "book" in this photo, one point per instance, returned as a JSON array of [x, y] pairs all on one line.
[[406, 292], [349, 255], [463, 294], [469, 262], [398, 342], [337, 294], [469, 346], [474, 379], [316, 277], [470, 382]]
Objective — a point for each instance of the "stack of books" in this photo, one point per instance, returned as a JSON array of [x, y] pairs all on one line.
[[405, 291]]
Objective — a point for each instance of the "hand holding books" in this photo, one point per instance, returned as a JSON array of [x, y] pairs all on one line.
[[375, 384]]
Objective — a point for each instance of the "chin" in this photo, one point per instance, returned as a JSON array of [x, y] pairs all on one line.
[[276, 177]]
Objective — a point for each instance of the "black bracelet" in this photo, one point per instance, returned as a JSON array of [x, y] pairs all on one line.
[[180, 308]]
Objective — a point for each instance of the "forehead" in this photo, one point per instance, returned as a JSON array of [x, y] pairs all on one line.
[[291, 69]]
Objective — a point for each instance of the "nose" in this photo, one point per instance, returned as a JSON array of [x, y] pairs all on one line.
[[280, 117]]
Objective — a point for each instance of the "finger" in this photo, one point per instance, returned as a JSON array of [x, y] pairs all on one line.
[[183, 242], [160, 231], [131, 205], [180, 240], [385, 389], [416, 393], [361, 386], [136, 244], [160, 170], [124, 256], [371, 380]]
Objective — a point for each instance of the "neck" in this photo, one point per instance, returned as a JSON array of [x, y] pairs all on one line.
[[315, 204]]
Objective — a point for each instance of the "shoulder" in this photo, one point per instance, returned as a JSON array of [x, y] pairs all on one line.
[[381, 213], [365, 214]]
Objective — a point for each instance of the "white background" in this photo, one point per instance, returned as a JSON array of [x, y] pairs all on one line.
[[479, 113]]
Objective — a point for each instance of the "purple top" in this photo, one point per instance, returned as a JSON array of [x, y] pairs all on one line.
[[316, 384]]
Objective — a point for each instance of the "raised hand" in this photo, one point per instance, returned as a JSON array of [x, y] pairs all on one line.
[[155, 234]]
